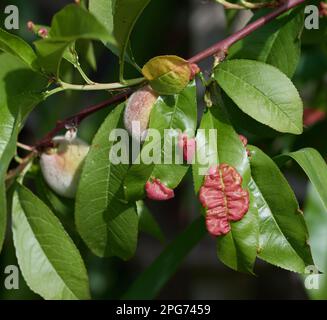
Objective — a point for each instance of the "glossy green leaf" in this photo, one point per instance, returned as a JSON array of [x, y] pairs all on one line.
[[243, 122], [152, 280], [283, 237], [17, 47], [147, 223], [238, 248], [107, 223], [314, 166], [277, 43], [178, 112], [49, 261], [68, 25], [263, 92], [20, 91]]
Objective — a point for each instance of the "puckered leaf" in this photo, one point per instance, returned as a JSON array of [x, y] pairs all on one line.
[[238, 248]]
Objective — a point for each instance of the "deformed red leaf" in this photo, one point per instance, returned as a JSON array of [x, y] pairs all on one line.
[[224, 198], [156, 190], [188, 145]]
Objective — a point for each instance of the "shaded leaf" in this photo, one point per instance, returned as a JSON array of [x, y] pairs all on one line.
[[152, 280], [276, 43], [262, 92], [71, 23], [315, 215], [50, 262], [20, 91], [313, 165], [106, 222], [17, 47], [147, 223]]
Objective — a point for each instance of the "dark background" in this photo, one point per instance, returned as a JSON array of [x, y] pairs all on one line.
[[170, 27]]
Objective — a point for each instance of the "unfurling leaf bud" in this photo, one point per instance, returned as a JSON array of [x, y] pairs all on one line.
[[137, 112], [61, 165], [188, 145], [156, 190], [169, 74]]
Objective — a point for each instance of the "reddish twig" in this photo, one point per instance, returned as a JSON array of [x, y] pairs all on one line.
[[79, 117], [223, 46], [220, 47]]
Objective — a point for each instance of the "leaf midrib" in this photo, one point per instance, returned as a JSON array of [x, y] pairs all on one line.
[[261, 93]]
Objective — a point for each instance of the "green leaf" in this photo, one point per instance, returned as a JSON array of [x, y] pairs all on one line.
[[314, 166], [119, 17], [315, 215], [316, 169], [68, 25], [277, 43], [126, 13], [107, 223], [147, 222], [151, 281], [283, 237], [20, 91], [17, 47], [103, 10], [238, 248], [263, 92], [49, 261], [167, 74], [178, 112]]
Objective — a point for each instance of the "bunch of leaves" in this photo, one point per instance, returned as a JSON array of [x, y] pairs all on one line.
[[252, 90]]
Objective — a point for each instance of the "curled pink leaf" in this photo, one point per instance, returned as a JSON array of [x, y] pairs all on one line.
[[244, 140], [224, 198], [43, 33], [188, 145], [156, 190]]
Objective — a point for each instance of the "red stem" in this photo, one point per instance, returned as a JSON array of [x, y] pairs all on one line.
[[79, 117], [221, 46], [226, 43]]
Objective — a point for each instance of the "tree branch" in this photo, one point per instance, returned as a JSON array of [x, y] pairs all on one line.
[[223, 46], [79, 117], [219, 47]]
